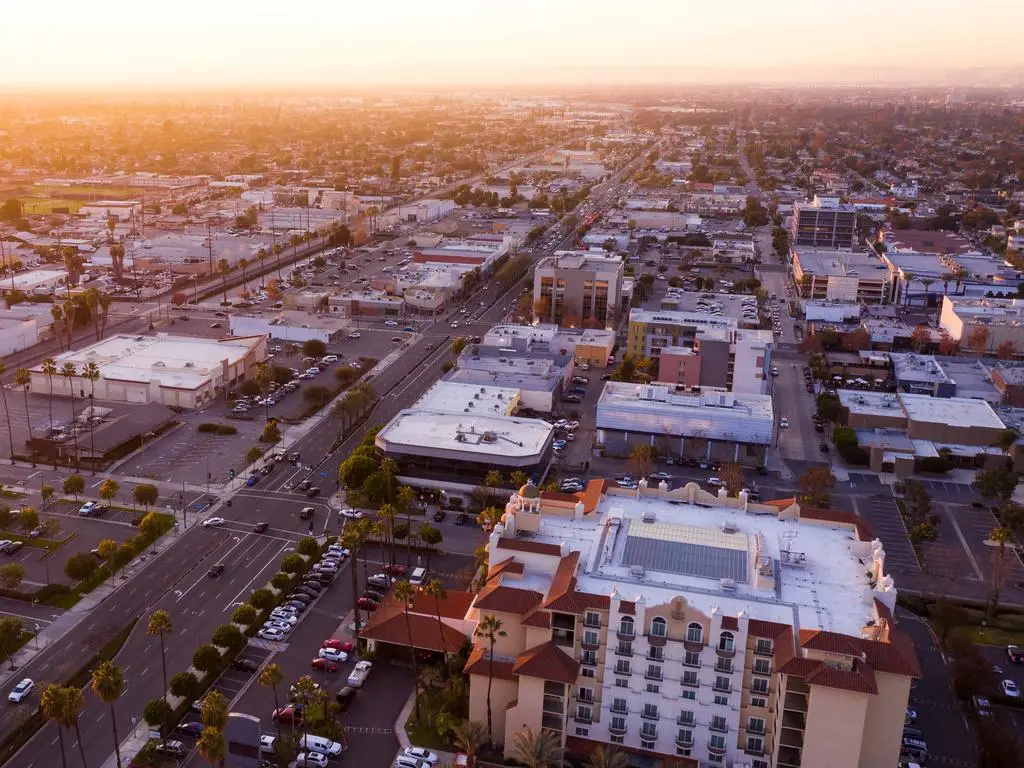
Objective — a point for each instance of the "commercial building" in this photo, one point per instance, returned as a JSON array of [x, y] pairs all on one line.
[[691, 630], [456, 433], [288, 325], [591, 346], [679, 425], [697, 349], [823, 223], [122, 210], [832, 275], [983, 324], [182, 371], [539, 374], [38, 282], [578, 289]]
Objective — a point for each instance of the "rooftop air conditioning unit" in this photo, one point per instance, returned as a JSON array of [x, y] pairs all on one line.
[[730, 527], [648, 517], [729, 585], [636, 571]]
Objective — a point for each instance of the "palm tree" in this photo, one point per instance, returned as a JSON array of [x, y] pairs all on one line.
[[108, 684], [23, 379], [49, 369], [263, 378], [242, 264], [74, 703], [435, 589], [386, 515], [404, 501], [211, 746], [607, 757], [223, 267], [7, 415], [91, 372], [908, 278], [490, 628], [160, 625], [405, 593], [261, 254], [538, 748], [1001, 536], [214, 710], [470, 735], [53, 703], [69, 372], [352, 539], [270, 677]]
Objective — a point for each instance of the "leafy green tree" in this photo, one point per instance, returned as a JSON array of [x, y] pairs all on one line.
[[314, 348], [431, 536], [145, 494], [261, 599], [214, 710], [354, 471], [206, 658], [228, 636], [10, 637], [996, 483], [28, 519], [184, 685], [47, 493], [151, 525], [293, 563], [158, 713], [109, 489], [308, 546], [11, 575], [74, 484], [80, 566], [244, 614]]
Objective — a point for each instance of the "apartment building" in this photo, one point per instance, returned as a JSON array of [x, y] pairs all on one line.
[[988, 323], [823, 223], [578, 289], [691, 630], [833, 275], [697, 349]]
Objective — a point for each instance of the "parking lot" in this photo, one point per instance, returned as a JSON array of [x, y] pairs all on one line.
[[884, 516], [975, 524]]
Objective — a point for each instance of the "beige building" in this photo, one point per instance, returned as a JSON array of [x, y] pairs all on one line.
[[578, 289], [988, 322], [691, 630], [834, 275]]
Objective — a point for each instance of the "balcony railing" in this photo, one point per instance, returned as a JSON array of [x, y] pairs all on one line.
[[724, 666], [686, 718], [623, 650], [625, 634], [756, 730], [591, 624], [725, 687], [649, 734], [584, 717], [654, 654], [715, 750], [617, 730], [795, 720], [649, 715], [795, 703], [684, 743], [617, 710], [725, 653], [585, 698], [590, 645], [652, 675], [720, 728]]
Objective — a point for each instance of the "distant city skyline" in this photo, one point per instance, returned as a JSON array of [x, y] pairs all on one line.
[[227, 43]]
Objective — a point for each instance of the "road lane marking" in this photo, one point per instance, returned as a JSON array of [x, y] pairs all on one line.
[[271, 562], [204, 576]]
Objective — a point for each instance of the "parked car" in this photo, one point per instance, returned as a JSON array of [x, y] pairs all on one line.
[[214, 522], [338, 645], [462, 519], [352, 514], [1010, 689], [440, 515], [419, 753], [192, 729], [245, 665], [395, 570], [12, 546], [171, 748], [324, 665], [1015, 654], [366, 604], [260, 527], [311, 760], [359, 674], [288, 715], [274, 635]]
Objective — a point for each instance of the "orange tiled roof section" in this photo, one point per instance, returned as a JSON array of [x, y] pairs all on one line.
[[478, 664], [559, 496], [592, 494], [730, 622], [503, 599], [895, 657], [860, 678], [766, 629], [387, 624], [534, 547], [562, 595], [506, 566], [548, 662], [537, 618]]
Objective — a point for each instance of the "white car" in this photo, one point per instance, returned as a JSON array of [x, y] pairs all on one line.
[[1010, 689], [284, 617], [311, 759], [390, 323], [419, 753], [352, 514], [337, 549], [332, 654], [320, 744], [213, 522], [270, 634], [714, 481], [359, 674], [404, 761], [267, 744], [355, 335], [21, 691], [784, 423], [281, 626]]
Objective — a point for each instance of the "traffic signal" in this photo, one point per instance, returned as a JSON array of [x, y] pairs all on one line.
[[231, 474]]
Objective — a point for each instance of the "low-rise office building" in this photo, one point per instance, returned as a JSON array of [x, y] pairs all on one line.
[[983, 324], [823, 222], [38, 282], [718, 426], [592, 346], [578, 289], [690, 629], [833, 275], [182, 371]]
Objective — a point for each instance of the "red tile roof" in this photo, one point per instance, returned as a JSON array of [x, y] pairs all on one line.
[[548, 662], [387, 625], [592, 494], [505, 566], [766, 629], [478, 663], [498, 597], [730, 622], [537, 618], [896, 657], [559, 496], [860, 678], [829, 642], [562, 595], [525, 545]]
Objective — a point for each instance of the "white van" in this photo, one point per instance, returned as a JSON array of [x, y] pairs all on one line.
[[418, 577], [320, 744]]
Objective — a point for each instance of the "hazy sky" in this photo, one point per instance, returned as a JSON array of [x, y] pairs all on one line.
[[350, 42]]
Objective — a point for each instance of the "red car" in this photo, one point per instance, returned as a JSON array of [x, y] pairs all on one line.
[[338, 645], [324, 665], [367, 604], [395, 570], [287, 715]]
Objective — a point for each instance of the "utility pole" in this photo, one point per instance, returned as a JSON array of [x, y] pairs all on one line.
[[209, 244]]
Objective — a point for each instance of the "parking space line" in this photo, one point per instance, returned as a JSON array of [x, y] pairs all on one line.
[[270, 563]]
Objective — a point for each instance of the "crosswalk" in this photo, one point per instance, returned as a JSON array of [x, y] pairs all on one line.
[[369, 730]]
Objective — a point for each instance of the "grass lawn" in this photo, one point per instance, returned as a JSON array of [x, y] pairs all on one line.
[[43, 205], [38, 543], [994, 636], [423, 734]]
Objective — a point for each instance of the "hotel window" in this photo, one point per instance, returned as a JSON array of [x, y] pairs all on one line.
[[621, 682], [626, 626], [759, 764], [659, 628], [762, 666], [763, 647], [755, 744], [653, 688], [695, 633], [722, 701], [755, 724], [592, 619], [582, 731], [719, 723], [758, 702], [650, 711], [716, 741], [589, 657], [691, 695], [619, 705], [622, 667], [722, 683], [726, 642], [691, 659], [759, 685], [588, 672], [689, 677], [656, 654], [590, 638]]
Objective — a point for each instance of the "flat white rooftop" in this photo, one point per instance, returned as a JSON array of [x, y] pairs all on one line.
[[461, 398], [26, 281], [173, 361], [466, 433], [660, 550], [671, 317], [957, 411]]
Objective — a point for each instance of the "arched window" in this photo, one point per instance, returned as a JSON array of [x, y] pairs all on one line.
[[626, 625], [659, 627], [726, 642], [695, 633]]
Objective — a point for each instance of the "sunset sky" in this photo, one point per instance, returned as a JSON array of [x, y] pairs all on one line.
[[343, 42]]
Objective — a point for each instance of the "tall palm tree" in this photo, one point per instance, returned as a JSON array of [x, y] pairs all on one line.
[[261, 254], [23, 379], [242, 264], [211, 746], [74, 703], [405, 593], [7, 415], [263, 378], [470, 735], [1001, 536], [53, 703], [270, 677], [108, 685], [908, 278], [538, 748], [405, 500], [435, 589], [49, 369], [490, 629], [69, 372], [160, 625], [223, 267], [91, 372], [352, 539], [607, 757], [386, 515], [214, 710]]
